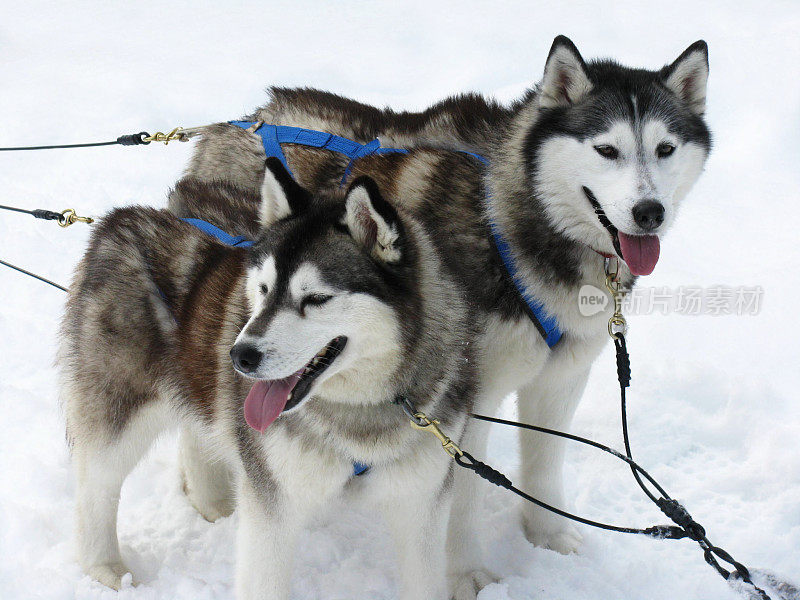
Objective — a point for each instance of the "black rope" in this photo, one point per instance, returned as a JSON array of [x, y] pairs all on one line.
[[575, 438], [39, 213], [685, 525], [34, 275], [494, 476], [624, 378], [132, 139], [672, 508]]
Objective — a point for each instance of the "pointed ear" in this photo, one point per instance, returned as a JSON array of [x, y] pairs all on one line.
[[373, 222], [688, 75], [565, 80], [281, 196]]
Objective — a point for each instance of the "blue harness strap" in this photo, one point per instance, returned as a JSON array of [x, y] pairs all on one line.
[[238, 241], [272, 136], [548, 325], [478, 157]]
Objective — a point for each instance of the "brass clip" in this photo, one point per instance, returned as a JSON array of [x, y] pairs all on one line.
[[616, 324], [69, 217], [176, 134], [432, 425]]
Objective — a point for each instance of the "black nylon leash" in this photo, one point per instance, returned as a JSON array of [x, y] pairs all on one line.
[[39, 213], [34, 275], [132, 139], [685, 525], [672, 508], [492, 475], [64, 219]]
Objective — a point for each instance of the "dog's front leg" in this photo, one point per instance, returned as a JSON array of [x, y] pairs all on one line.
[[549, 401], [467, 570], [417, 513], [266, 541]]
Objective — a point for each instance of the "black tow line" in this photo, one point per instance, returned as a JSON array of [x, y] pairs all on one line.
[[133, 139], [68, 217], [65, 218], [178, 134], [34, 275], [685, 525]]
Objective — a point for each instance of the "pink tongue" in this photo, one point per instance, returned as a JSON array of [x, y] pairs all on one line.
[[640, 252], [266, 401]]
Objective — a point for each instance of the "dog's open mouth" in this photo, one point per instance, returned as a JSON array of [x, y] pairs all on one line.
[[640, 252], [269, 398]]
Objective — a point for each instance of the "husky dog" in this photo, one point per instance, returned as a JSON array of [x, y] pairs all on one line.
[[327, 320], [592, 162]]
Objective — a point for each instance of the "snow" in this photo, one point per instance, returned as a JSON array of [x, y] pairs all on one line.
[[713, 405]]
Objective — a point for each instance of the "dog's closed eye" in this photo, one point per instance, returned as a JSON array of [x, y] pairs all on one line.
[[314, 300]]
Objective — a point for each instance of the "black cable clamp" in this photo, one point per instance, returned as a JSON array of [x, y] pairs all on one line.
[[680, 516], [47, 215], [483, 470], [623, 361], [134, 139]]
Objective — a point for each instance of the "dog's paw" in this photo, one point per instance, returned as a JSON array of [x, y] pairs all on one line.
[[210, 509], [563, 538], [211, 512], [467, 586], [110, 574]]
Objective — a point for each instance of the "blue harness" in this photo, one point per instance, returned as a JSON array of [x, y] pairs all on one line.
[[273, 136]]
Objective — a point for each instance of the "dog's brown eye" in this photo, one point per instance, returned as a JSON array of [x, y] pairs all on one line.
[[664, 150], [264, 289], [607, 151]]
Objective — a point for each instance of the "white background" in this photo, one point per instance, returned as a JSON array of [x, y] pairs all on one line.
[[714, 402]]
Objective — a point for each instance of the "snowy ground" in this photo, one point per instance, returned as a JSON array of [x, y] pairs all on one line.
[[714, 401]]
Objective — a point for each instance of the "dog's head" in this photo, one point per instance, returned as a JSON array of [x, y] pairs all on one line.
[[325, 282], [614, 150]]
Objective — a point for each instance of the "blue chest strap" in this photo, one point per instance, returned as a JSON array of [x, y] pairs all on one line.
[[546, 324], [272, 136]]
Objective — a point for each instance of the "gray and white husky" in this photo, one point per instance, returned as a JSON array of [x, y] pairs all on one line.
[[595, 160], [327, 319]]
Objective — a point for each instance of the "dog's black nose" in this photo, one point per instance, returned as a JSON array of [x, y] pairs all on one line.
[[246, 358], [648, 214]]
